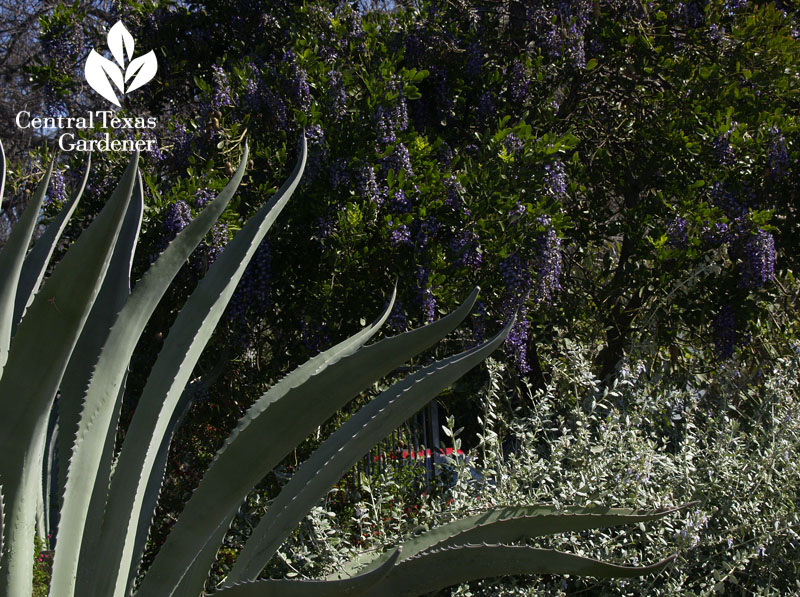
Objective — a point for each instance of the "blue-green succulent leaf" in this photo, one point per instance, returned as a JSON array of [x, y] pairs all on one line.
[[431, 571], [35, 265], [508, 525], [12, 257], [108, 373], [354, 586], [27, 389], [182, 349]]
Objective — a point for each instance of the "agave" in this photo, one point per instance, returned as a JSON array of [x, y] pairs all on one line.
[[65, 347]]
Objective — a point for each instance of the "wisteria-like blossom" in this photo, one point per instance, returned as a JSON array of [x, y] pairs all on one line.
[[368, 186], [177, 217], [202, 197], [548, 263], [722, 198], [400, 235], [338, 173], [400, 161], [466, 249], [518, 82], [676, 232], [724, 328], [253, 293], [516, 342], [453, 193], [400, 203], [384, 125], [777, 155], [757, 264], [337, 95], [57, 190], [716, 234], [555, 179], [222, 90], [723, 151]]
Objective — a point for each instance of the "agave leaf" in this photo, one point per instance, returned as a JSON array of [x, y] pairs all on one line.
[[344, 447], [434, 570], [50, 478], [153, 489], [2, 517], [12, 257], [181, 351], [510, 524], [314, 588], [319, 388], [111, 299], [27, 389], [35, 265], [108, 373]]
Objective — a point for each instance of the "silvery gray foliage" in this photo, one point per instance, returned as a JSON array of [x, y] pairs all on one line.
[[730, 440]]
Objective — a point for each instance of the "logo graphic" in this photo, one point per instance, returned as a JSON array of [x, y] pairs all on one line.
[[99, 69]]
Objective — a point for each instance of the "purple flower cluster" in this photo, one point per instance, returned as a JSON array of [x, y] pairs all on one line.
[[717, 234], [368, 186], [517, 211], [427, 300], [208, 252], [548, 263], [513, 144], [338, 173], [254, 88], [58, 190], [318, 153], [397, 320], [518, 82], [203, 197], [221, 96], [777, 155], [426, 230], [400, 203], [516, 274], [722, 198], [466, 249], [399, 161], [735, 5], [177, 217], [479, 322], [400, 235], [516, 342], [555, 179], [757, 263], [676, 232], [724, 329], [326, 227], [723, 151], [384, 125], [453, 192], [486, 107], [337, 95], [253, 293]]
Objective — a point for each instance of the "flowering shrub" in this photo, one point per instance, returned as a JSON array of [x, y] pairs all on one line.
[[617, 173]]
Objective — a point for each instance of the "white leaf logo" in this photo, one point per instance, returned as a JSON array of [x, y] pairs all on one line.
[[99, 70]]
